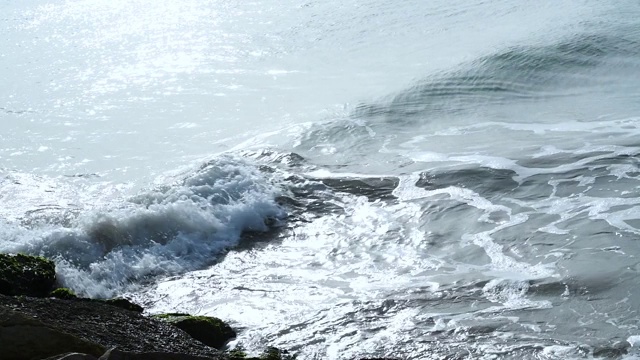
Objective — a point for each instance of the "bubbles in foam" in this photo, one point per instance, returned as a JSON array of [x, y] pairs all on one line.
[[167, 230], [511, 294]]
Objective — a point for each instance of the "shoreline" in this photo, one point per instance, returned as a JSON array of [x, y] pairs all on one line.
[[40, 320]]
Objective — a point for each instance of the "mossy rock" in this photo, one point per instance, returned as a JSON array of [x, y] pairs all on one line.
[[236, 354], [63, 293], [270, 353], [168, 316], [210, 331], [26, 275], [273, 353], [124, 304]]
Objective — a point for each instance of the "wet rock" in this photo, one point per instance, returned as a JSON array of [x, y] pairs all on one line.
[[72, 356], [210, 331], [26, 275], [24, 337], [63, 293], [115, 354], [273, 353], [125, 304], [270, 353], [611, 351], [106, 325]]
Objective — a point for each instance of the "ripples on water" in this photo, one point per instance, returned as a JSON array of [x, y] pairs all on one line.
[[420, 180]]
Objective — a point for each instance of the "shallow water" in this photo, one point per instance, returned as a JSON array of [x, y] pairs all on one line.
[[422, 180]]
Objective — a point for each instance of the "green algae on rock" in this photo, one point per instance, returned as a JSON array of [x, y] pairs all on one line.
[[63, 293], [273, 353], [124, 304], [236, 354], [26, 275], [210, 331], [100, 323], [270, 353]]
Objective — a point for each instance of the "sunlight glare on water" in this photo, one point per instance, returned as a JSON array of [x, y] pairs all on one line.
[[338, 178]]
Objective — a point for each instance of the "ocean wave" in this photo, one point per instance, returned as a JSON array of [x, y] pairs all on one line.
[[518, 73], [171, 229]]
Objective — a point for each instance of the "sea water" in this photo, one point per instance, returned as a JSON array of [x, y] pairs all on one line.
[[349, 178]]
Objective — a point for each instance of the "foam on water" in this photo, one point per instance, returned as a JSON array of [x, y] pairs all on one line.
[[414, 180], [116, 243]]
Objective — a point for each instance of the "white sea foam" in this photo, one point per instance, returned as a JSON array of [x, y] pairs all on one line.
[[525, 116], [110, 247]]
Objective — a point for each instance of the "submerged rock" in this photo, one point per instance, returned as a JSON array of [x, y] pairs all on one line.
[[26, 275], [615, 350], [24, 337], [210, 331]]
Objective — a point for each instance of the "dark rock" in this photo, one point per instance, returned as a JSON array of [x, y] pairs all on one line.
[[115, 354], [236, 354], [24, 337], [125, 304], [210, 331], [611, 351], [106, 325], [273, 353], [270, 353], [63, 293], [26, 275], [72, 356]]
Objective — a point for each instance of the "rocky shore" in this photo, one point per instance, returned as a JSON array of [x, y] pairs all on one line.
[[39, 320]]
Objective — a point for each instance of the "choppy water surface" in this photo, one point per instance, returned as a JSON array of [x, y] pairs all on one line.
[[339, 178]]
